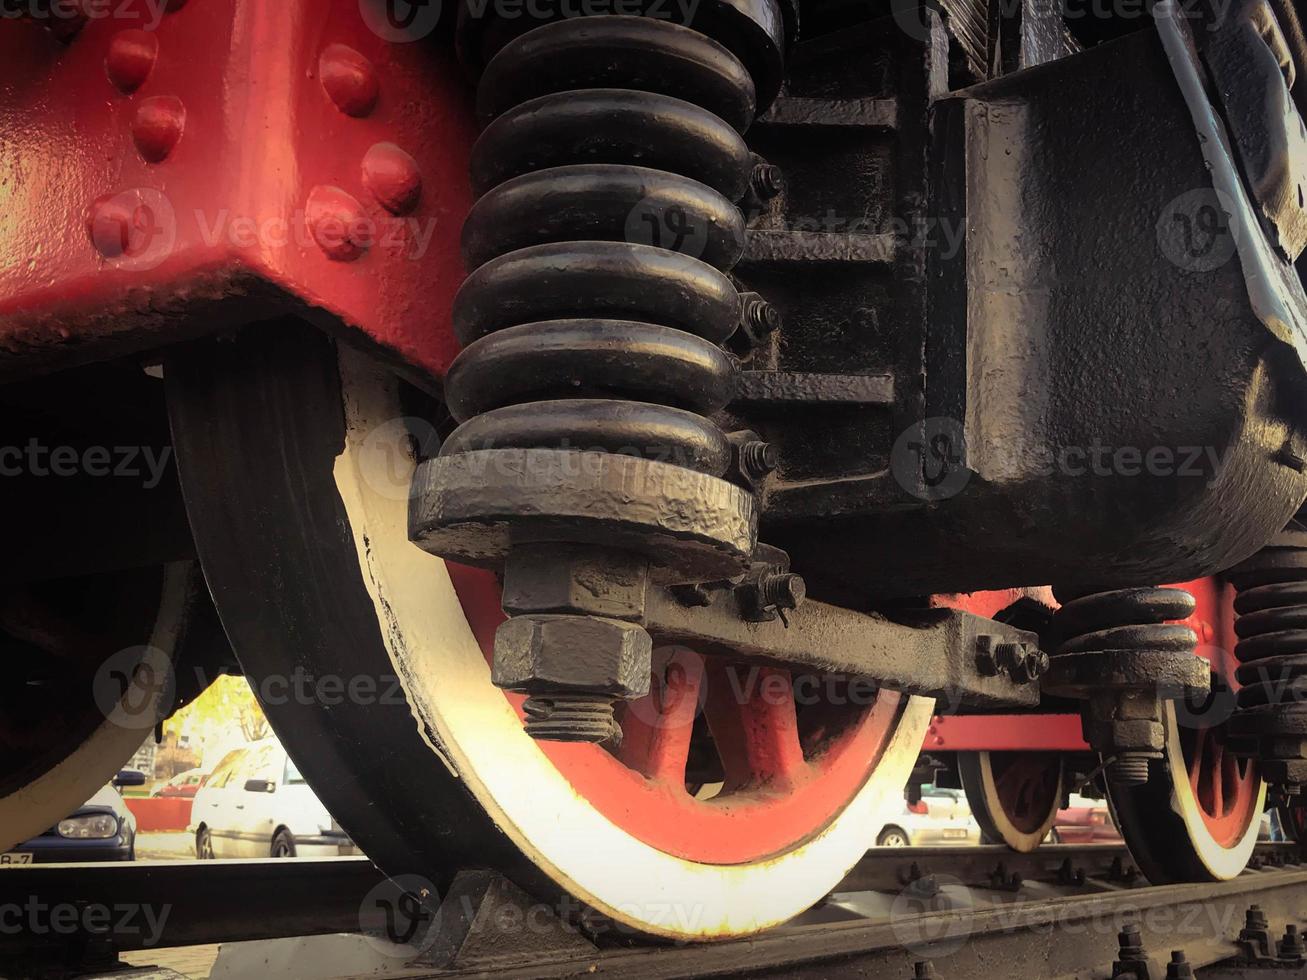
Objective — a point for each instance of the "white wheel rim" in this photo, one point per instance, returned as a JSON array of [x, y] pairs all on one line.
[[1221, 862], [36, 807], [1015, 838], [473, 729]]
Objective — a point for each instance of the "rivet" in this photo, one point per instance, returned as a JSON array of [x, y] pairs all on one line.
[[338, 223], [158, 126], [110, 224], [132, 54], [349, 79], [392, 177]]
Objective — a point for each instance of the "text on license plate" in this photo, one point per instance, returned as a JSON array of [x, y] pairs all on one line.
[[15, 857], [954, 832]]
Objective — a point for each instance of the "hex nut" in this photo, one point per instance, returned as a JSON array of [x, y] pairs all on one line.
[[544, 653]]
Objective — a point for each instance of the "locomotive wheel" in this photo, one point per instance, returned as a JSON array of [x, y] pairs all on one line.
[[295, 468], [60, 745], [1014, 796], [1197, 817]]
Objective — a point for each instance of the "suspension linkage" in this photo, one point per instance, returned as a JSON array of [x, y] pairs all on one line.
[[946, 654]]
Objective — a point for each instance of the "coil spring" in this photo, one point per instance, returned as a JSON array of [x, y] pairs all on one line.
[[1271, 604], [1131, 645], [1127, 620], [598, 248]]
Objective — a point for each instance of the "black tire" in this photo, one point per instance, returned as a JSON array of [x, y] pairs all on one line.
[[203, 845], [283, 844], [893, 836]]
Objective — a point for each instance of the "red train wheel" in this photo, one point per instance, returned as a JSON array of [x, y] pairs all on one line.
[[295, 468], [1197, 817], [1014, 796]]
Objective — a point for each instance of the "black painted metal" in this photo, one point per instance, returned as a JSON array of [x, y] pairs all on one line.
[[1123, 652], [1069, 398], [1271, 720], [934, 652]]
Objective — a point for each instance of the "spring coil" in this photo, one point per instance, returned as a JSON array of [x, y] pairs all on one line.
[[1137, 619], [598, 248], [1271, 604], [1126, 647]]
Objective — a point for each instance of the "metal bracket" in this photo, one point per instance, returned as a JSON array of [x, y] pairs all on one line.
[[931, 652]]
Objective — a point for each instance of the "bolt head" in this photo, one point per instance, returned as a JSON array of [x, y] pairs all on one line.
[[543, 653]]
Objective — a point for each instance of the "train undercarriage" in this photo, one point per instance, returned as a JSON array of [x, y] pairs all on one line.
[[693, 410]]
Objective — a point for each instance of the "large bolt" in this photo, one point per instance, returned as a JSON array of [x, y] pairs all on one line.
[[1179, 968], [573, 669], [766, 180], [781, 590], [1291, 946], [758, 458], [1129, 768], [758, 318]]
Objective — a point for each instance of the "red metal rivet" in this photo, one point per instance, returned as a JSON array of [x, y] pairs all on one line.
[[349, 79], [110, 224], [338, 223], [132, 54], [158, 126], [392, 177]]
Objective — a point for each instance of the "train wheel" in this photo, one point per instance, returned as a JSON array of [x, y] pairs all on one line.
[[1014, 796], [1197, 817], [295, 464], [95, 655]]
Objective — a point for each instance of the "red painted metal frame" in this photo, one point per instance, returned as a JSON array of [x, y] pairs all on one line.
[[226, 161]]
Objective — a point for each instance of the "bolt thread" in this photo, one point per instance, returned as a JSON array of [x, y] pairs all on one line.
[[759, 458], [1130, 769], [762, 318], [767, 180], [784, 589], [566, 716]]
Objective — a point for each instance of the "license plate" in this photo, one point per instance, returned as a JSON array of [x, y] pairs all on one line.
[[15, 857], [953, 832]]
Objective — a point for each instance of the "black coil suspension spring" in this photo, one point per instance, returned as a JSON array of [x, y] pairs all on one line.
[[1128, 645], [598, 248], [1271, 604]]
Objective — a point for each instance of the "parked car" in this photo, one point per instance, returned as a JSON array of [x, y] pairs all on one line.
[[940, 817], [1084, 821], [101, 829], [256, 804], [184, 785]]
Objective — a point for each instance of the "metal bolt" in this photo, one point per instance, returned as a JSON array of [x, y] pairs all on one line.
[[1285, 456], [1291, 946], [1131, 944], [923, 970], [1255, 918], [758, 458], [565, 716], [758, 318], [766, 180], [1130, 768], [1178, 968], [782, 590]]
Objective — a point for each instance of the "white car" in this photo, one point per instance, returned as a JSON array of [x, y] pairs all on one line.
[[256, 804]]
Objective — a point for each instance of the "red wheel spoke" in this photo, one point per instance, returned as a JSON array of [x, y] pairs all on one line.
[[657, 729], [754, 723]]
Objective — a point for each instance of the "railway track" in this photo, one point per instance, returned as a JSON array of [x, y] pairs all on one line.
[[1062, 911]]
